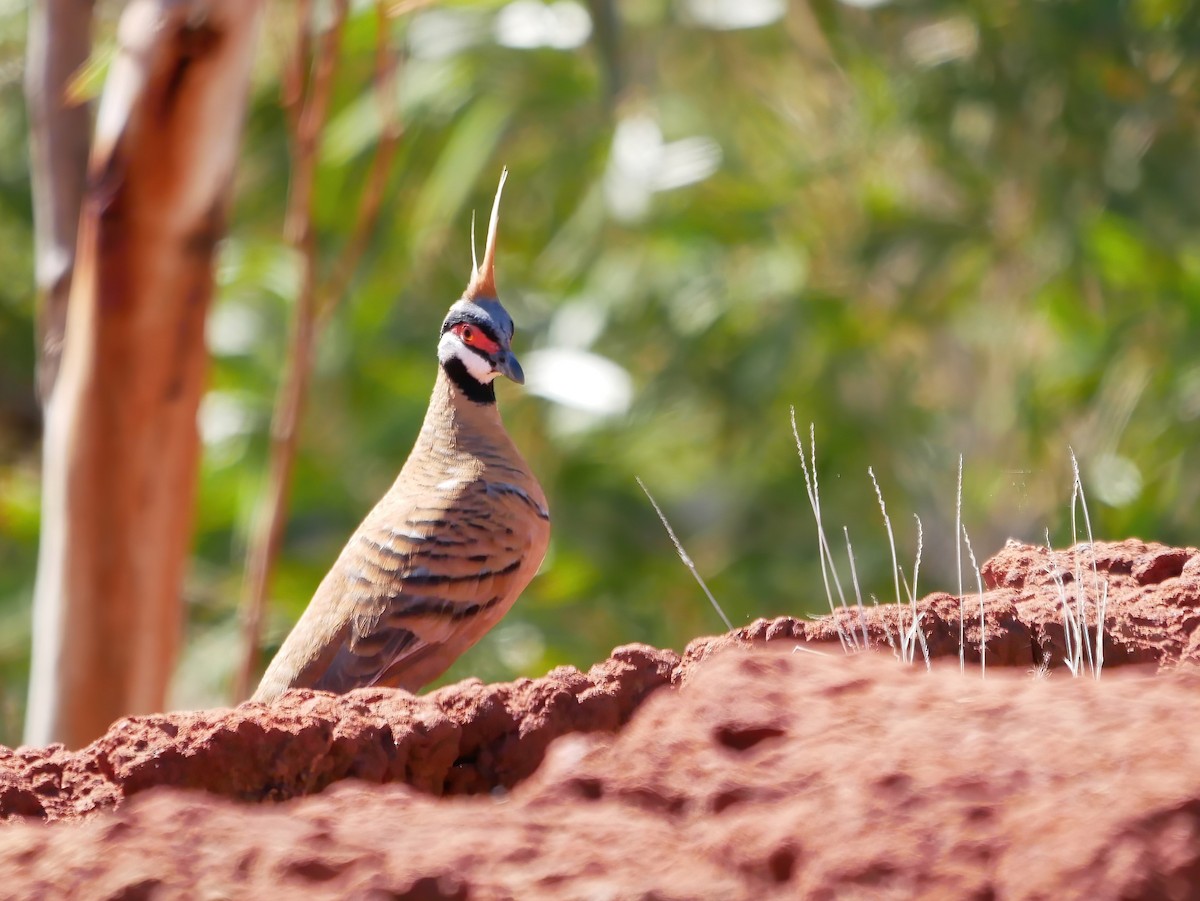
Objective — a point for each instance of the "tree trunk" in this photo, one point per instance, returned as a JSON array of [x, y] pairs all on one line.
[[121, 445]]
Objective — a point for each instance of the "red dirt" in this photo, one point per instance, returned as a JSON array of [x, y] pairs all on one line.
[[757, 772]]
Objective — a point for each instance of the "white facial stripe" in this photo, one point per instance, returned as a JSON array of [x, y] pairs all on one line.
[[479, 368]]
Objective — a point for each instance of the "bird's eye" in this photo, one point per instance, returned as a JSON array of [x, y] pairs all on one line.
[[476, 338]]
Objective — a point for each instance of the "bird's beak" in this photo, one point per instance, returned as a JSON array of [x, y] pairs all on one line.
[[508, 365]]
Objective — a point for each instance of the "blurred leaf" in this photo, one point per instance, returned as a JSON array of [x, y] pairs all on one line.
[[459, 170], [88, 82]]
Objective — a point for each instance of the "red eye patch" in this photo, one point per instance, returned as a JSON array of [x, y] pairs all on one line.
[[475, 337]]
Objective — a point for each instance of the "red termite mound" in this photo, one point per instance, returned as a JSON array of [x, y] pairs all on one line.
[[742, 769]]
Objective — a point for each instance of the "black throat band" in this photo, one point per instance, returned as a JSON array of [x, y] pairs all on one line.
[[466, 383]]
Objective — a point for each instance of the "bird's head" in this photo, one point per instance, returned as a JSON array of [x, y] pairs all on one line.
[[478, 334], [476, 342]]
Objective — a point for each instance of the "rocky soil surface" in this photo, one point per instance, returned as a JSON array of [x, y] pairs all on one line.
[[744, 768]]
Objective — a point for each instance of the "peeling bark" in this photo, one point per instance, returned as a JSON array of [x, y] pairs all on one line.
[[121, 446], [59, 42]]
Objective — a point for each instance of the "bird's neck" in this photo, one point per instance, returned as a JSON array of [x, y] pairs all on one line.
[[456, 422]]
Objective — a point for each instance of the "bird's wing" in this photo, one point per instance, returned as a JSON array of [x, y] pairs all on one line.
[[421, 588]]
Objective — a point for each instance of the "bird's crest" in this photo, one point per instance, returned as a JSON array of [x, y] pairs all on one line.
[[483, 276]]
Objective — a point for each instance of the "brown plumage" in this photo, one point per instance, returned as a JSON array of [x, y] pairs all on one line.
[[445, 553]]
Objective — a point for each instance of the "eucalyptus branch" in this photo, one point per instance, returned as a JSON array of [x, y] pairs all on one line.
[[307, 85], [370, 201]]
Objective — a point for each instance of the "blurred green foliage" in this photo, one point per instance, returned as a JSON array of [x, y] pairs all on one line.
[[935, 228]]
